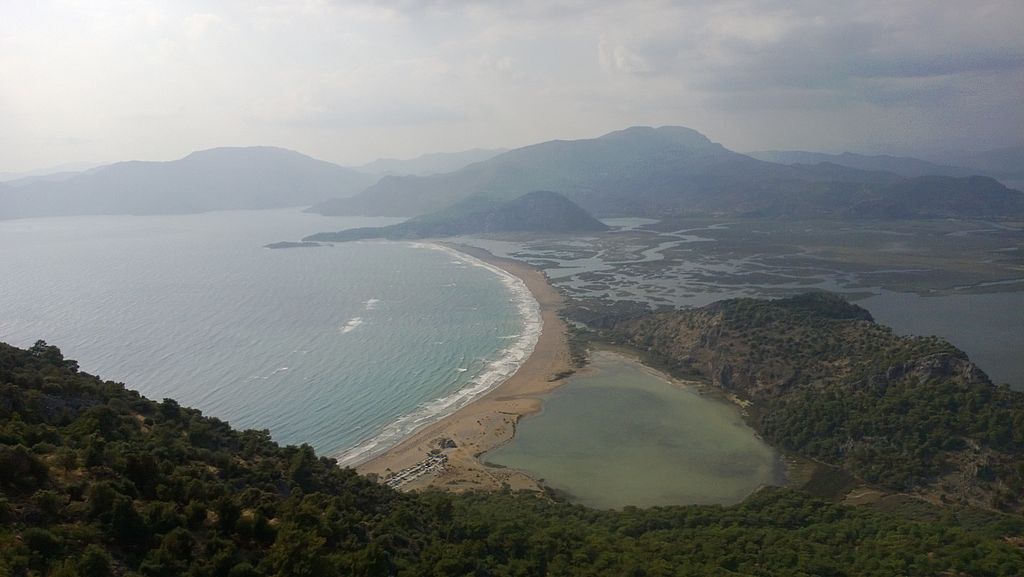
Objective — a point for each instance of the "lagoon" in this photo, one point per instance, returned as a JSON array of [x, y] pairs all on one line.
[[619, 433]]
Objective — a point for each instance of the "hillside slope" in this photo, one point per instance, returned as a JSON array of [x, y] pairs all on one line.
[[904, 413], [433, 163], [941, 197], [901, 165], [538, 211], [676, 171], [96, 480], [639, 171]]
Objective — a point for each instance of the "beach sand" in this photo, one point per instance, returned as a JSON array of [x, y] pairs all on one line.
[[490, 420]]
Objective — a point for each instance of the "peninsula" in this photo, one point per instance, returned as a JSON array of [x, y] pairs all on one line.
[[539, 211]]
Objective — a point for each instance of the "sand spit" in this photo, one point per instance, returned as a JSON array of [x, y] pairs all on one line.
[[490, 420]]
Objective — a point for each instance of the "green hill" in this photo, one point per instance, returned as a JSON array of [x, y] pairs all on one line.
[[96, 480], [538, 211], [941, 197], [903, 413]]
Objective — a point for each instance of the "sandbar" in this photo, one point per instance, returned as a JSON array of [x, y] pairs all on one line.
[[445, 454]]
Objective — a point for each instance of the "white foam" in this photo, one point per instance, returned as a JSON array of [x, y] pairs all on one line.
[[371, 304], [351, 325], [493, 375], [263, 378]]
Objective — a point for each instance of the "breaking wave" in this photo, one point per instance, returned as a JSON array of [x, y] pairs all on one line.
[[496, 372]]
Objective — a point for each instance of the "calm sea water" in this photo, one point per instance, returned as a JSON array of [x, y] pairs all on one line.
[[989, 327], [620, 434], [354, 344]]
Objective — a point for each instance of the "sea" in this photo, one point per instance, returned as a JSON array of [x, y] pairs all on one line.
[[348, 348]]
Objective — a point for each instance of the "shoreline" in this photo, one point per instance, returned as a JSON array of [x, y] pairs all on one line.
[[445, 454], [495, 372]]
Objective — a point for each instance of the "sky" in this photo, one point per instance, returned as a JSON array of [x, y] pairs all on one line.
[[349, 81]]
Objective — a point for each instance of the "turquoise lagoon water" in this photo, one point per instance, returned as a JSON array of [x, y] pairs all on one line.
[[347, 347]]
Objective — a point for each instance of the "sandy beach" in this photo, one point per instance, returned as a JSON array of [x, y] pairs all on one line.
[[445, 454]]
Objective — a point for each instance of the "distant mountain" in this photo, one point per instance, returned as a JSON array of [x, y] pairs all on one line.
[[941, 197], [1006, 164], [639, 171], [48, 177], [215, 179], [538, 211], [61, 169], [436, 163], [901, 165]]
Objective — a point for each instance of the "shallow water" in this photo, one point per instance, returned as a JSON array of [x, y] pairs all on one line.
[[988, 327], [620, 434]]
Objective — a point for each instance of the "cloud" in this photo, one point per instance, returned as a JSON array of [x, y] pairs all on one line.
[[197, 25], [349, 79], [619, 57], [407, 92]]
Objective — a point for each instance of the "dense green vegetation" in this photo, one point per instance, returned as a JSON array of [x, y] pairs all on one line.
[[905, 413], [96, 480]]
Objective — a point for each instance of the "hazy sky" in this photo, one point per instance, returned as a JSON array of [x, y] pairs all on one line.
[[96, 80]]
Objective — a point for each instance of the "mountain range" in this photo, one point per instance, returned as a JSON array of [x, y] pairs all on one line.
[[435, 163], [655, 172], [1005, 163], [216, 179], [901, 165], [940, 197], [639, 171]]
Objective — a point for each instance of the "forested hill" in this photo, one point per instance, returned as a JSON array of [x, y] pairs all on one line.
[[96, 480], [904, 413], [538, 211]]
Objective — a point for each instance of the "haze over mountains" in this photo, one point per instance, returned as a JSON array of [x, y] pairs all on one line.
[[643, 171], [59, 172], [215, 179], [538, 211], [901, 165], [435, 163], [639, 171], [1006, 164]]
